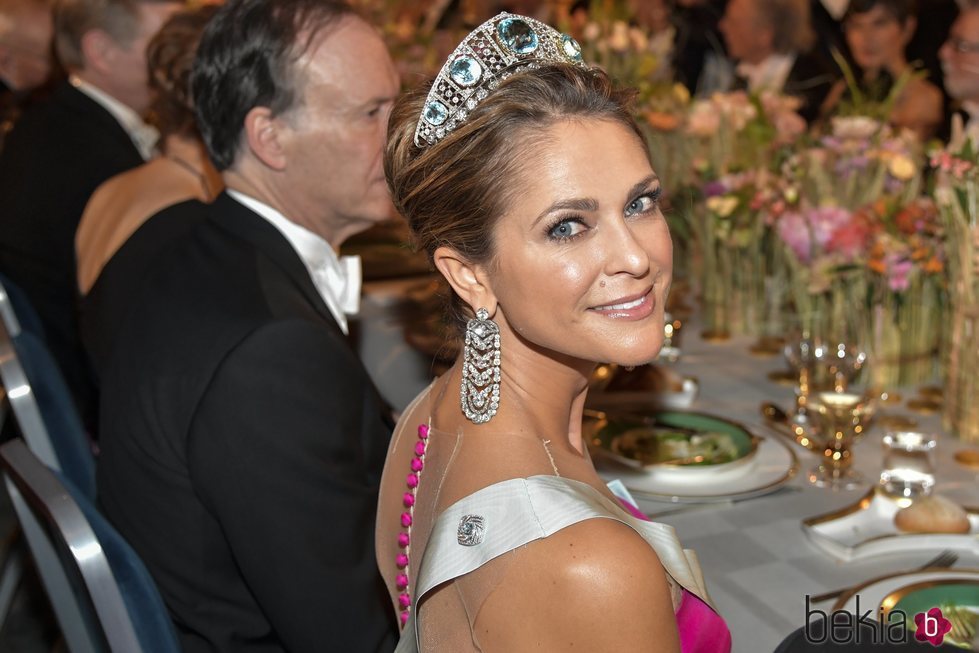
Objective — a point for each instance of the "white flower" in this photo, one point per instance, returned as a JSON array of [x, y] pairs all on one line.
[[638, 39], [704, 119], [619, 40], [856, 127], [722, 205]]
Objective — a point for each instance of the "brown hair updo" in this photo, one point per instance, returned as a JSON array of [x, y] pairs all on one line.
[[453, 192], [169, 57]]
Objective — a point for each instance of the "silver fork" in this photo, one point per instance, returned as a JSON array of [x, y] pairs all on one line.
[[945, 559]]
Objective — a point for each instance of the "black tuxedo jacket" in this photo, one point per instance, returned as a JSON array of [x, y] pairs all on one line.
[[116, 290], [242, 447], [811, 79], [59, 151]]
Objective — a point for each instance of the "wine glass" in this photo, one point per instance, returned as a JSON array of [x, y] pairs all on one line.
[[841, 361], [842, 418], [800, 354]]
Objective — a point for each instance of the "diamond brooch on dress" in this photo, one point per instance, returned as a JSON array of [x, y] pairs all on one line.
[[471, 530]]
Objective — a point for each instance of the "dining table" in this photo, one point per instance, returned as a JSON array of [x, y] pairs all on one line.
[[759, 563]]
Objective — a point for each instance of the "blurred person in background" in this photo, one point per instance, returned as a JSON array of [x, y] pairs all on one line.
[[116, 223], [61, 149], [877, 33], [959, 56], [25, 55], [771, 42]]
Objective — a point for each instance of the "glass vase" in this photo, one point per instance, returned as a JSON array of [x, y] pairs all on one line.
[[961, 401]]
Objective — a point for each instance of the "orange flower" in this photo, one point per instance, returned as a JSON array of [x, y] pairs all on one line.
[[933, 265]]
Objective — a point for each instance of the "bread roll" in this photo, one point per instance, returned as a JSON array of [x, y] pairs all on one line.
[[932, 514]]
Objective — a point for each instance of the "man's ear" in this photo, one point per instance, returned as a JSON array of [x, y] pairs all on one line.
[[907, 33], [468, 280], [99, 51], [263, 133]]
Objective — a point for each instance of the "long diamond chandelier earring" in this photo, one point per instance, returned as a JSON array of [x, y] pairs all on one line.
[[480, 392]]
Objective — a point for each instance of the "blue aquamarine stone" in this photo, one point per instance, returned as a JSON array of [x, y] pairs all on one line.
[[465, 71], [435, 113], [571, 48], [517, 35]]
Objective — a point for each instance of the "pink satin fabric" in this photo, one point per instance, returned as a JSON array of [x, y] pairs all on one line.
[[701, 629]]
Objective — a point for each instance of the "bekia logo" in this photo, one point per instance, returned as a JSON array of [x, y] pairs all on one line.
[[931, 627], [842, 627]]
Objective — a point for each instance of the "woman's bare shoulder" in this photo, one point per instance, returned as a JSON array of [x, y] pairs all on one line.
[[594, 586]]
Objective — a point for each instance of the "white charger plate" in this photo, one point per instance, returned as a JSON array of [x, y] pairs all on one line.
[[867, 528], [772, 466]]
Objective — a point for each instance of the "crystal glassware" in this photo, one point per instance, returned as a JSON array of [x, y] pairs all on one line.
[[800, 354], [841, 362], [908, 470], [842, 418]]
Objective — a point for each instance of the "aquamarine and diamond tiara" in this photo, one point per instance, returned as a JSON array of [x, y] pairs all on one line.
[[492, 52]]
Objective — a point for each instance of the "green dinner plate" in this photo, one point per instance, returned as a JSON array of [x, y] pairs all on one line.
[[622, 435], [963, 595]]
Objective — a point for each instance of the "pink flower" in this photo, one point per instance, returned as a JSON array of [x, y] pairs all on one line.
[[824, 221], [794, 231], [898, 271]]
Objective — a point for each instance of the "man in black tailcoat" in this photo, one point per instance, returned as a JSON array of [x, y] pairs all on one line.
[[88, 130], [771, 42], [242, 440]]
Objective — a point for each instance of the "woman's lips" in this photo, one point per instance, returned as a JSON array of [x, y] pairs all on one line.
[[633, 307]]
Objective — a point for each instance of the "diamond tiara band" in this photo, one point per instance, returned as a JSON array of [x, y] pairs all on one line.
[[492, 52]]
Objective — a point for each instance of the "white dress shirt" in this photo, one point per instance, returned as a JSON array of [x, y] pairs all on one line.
[[971, 128], [769, 74], [836, 8], [144, 136], [337, 279]]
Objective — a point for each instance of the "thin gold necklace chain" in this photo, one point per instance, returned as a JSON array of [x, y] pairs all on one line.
[[186, 165]]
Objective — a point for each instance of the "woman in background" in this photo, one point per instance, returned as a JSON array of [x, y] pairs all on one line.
[[123, 203], [877, 33]]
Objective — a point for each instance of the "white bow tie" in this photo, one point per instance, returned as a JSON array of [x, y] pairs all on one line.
[[145, 137], [343, 282]]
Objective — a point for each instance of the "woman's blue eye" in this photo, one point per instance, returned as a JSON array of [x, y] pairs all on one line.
[[566, 229], [643, 203]]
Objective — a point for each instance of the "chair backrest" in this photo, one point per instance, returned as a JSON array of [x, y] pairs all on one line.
[[104, 597], [16, 310], [44, 409]]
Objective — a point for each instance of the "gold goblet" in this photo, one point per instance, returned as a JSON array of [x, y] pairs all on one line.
[[842, 418]]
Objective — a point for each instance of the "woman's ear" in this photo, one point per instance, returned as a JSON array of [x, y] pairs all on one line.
[[468, 280]]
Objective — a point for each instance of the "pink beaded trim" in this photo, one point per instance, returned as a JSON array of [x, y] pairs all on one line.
[[404, 537]]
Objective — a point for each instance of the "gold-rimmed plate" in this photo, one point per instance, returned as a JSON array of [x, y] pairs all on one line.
[[770, 466], [684, 441], [866, 528], [915, 592]]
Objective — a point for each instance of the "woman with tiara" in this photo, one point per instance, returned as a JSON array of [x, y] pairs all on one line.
[[524, 177]]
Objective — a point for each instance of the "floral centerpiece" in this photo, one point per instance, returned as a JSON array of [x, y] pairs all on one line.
[[957, 195], [737, 142], [864, 251]]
